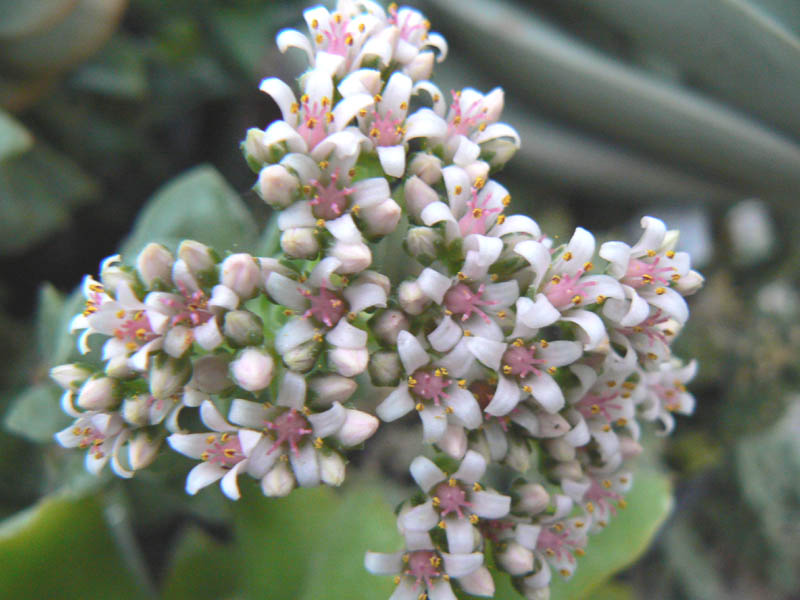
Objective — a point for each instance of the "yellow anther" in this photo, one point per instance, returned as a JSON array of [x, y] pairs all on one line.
[[587, 266], [477, 486], [452, 482], [319, 38], [377, 98], [676, 277], [606, 483], [558, 527], [600, 298], [580, 552], [549, 552], [507, 369], [652, 355], [362, 112], [361, 27], [458, 189], [611, 383], [442, 525], [622, 504], [518, 343], [318, 443], [567, 255], [544, 343], [462, 383], [314, 24], [576, 299], [622, 422], [355, 209], [474, 519], [411, 381], [589, 507], [527, 389], [651, 253], [670, 254], [479, 183], [348, 39], [552, 370], [435, 501], [404, 105], [467, 333], [564, 572], [211, 439], [320, 223], [436, 97], [420, 407], [507, 200], [477, 213], [482, 127], [501, 219], [461, 276], [606, 428], [501, 314], [448, 410], [205, 455]]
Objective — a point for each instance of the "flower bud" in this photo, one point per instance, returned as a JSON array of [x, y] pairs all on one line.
[[551, 425], [255, 153], [531, 593], [331, 468], [388, 324], [454, 441], [349, 362], [411, 297], [515, 559], [420, 67], [629, 447], [381, 219], [154, 264], [378, 279], [277, 186], [168, 375], [114, 275], [198, 257], [142, 451], [421, 243], [531, 498], [300, 242], [492, 104], [243, 328], [418, 195], [559, 449], [303, 357], [253, 369], [279, 481], [385, 368], [428, 167], [354, 256], [478, 170], [241, 273], [272, 265], [689, 283], [500, 149], [98, 394], [358, 426], [211, 374], [70, 376], [568, 470], [518, 456], [136, 410], [178, 340], [328, 389], [119, 367]]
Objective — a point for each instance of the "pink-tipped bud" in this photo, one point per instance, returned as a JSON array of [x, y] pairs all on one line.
[[418, 195], [349, 362], [154, 264], [300, 242], [70, 376], [277, 186], [328, 389], [531, 498], [385, 368], [411, 297], [515, 559], [357, 428], [198, 257], [253, 369], [142, 451], [387, 325], [242, 274], [98, 394], [428, 167], [279, 481], [354, 256], [381, 219], [331, 468]]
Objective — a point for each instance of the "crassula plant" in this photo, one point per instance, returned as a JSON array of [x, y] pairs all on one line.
[[404, 293]]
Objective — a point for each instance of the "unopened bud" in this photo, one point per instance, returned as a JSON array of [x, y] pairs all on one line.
[[272, 265], [689, 283], [530, 498], [500, 150], [198, 257], [354, 256], [385, 368], [420, 67], [142, 451], [98, 394], [349, 362], [300, 242], [492, 104], [357, 428], [328, 389], [568, 470], [518, 456], [243, 328], [255, 153], [629, 447], [168, 375], [551, 425], [515, 559], [478, 583], [378, 279], [418, 195], [422, 243], [136, 410], [242, 274], [114, 275], [427, 167], [412, 298], [559, 449], [388, 324], [331, 468], [154, 264], [277, 186], [211, 374], [531, 593], [253, 369], [178, 340], [381, 219], [303, 357], [454, 441], [70, 376], [279, 481], [119, 367]]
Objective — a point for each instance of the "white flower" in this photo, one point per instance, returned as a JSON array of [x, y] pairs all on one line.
[[597, 495], [102, 435], [665, 393]]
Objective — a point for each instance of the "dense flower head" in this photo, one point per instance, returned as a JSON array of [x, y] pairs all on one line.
[[403, 285]]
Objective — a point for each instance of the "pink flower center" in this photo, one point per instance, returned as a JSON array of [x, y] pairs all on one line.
[[492, 529], [520, 361], [329, 200], [601, 495], [641, 273], [136, 330], [407, 29], [423, 565], [649, 327], [463, 122], [193, 309], [338, 39], [313, 120], [555, 542], [326, 306], [429, 385], [386, 131], [669, 395], [461, 300], [92, 439], [567, 290], [476, 219], [290, 428], [223, 450], [592, 405], [451, 498]]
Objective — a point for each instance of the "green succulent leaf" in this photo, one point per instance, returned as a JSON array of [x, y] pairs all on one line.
[[14, 138]]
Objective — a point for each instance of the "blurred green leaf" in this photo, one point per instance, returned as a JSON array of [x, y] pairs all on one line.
[[14, 138], [119, 70], [200, 205], [201, 569], [311, 545], [25, 18], [35, 414], [61, 548]]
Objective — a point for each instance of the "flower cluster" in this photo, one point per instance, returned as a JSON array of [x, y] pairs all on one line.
[[510, 348]]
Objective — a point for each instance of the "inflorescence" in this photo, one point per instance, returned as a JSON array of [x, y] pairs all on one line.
[[511, 349]]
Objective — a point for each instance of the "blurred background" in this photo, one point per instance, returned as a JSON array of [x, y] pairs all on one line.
[[685, 110]]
